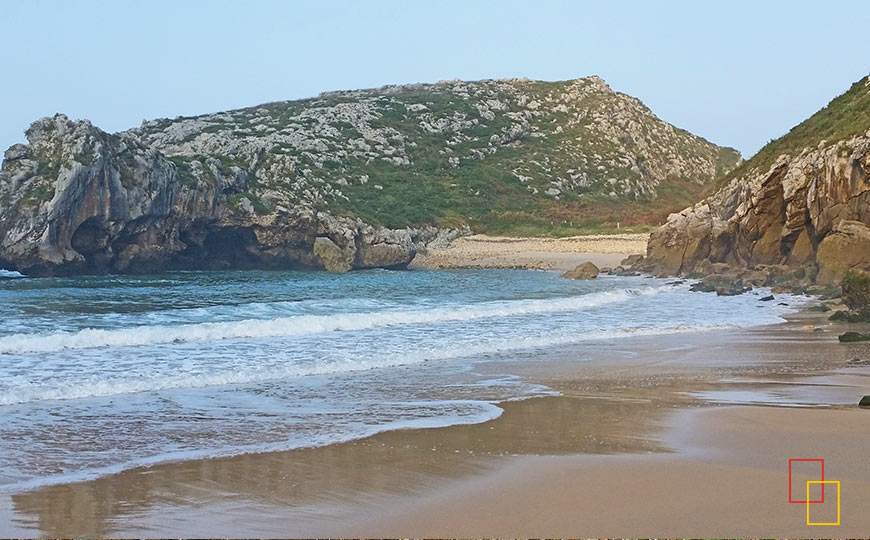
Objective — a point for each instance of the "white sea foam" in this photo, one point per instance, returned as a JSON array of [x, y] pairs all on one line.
[[111, 386], [303, 324], [10, 274]]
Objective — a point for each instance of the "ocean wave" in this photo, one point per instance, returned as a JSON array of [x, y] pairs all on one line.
[[79, 389], [10, 274], [303, 324]]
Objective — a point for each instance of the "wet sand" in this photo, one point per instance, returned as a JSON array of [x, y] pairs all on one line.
[[686, 435], [481, 251], [728, 480]]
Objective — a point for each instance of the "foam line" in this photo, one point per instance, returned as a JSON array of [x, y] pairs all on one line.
[[301, 324]]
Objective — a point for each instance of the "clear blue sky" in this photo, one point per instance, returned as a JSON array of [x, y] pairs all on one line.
[[738, 73]]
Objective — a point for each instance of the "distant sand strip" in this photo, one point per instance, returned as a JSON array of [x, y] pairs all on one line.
[[481, 251]]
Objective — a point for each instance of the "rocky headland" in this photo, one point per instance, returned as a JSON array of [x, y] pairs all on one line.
[[345, 180], [795, 215]]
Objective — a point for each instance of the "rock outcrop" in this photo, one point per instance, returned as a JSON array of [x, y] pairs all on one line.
[[806, 207]]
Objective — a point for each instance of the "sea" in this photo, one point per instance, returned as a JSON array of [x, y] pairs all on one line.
[[103, 373]]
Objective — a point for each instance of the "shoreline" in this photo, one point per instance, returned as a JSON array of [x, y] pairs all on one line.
[[618, 406], [715, 488], [562, 254]]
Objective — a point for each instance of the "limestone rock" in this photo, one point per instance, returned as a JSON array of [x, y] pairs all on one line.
[[79, 200], [847, 246], [429, 237], [384, 248], [332, 257], [586, 270]]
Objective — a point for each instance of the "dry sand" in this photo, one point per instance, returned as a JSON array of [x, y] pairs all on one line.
[[642, 441], [481, 251]]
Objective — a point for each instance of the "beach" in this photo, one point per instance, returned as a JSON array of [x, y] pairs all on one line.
[[482, 251], [434, 270], [681, 435]]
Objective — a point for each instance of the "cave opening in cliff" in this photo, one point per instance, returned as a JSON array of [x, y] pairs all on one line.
[[231, 247], [91, 241]]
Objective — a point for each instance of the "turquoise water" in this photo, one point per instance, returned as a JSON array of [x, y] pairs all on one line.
[[98, 374]]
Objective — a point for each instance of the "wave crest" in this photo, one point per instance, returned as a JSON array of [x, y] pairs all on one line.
[[301, 324], [103, 387], [10, 274]]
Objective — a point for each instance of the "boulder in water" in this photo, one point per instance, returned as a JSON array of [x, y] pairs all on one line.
[[586, 270], [722, 285]]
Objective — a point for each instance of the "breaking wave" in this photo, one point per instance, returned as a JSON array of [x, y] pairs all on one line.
[[302, 324], [10, 274], [111, 386]]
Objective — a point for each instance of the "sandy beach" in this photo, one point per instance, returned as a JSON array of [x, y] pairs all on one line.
[[418, 270], [482, 251], [684, 435]]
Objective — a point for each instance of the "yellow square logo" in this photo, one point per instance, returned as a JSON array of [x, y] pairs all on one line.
[[809, 483]]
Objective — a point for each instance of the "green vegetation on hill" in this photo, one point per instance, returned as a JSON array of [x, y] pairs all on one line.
[[507, 156], [846, 115]]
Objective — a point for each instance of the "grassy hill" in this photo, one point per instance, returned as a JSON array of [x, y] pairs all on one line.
[[503, 156], [846, 115]]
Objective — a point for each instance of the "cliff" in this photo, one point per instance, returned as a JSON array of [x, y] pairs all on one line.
[[803, 201], [345, 180], [78, 200]]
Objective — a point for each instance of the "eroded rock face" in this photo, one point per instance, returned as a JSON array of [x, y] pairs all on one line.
[[811, 211], [79, 200]]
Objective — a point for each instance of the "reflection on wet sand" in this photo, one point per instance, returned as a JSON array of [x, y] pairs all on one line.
[[395, 463]]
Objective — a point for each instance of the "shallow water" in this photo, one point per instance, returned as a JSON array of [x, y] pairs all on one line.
[[98, 374]]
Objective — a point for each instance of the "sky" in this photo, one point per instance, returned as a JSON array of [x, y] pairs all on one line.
[[737, 73]]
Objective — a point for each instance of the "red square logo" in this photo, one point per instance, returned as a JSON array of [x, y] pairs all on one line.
[[822, 465]]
